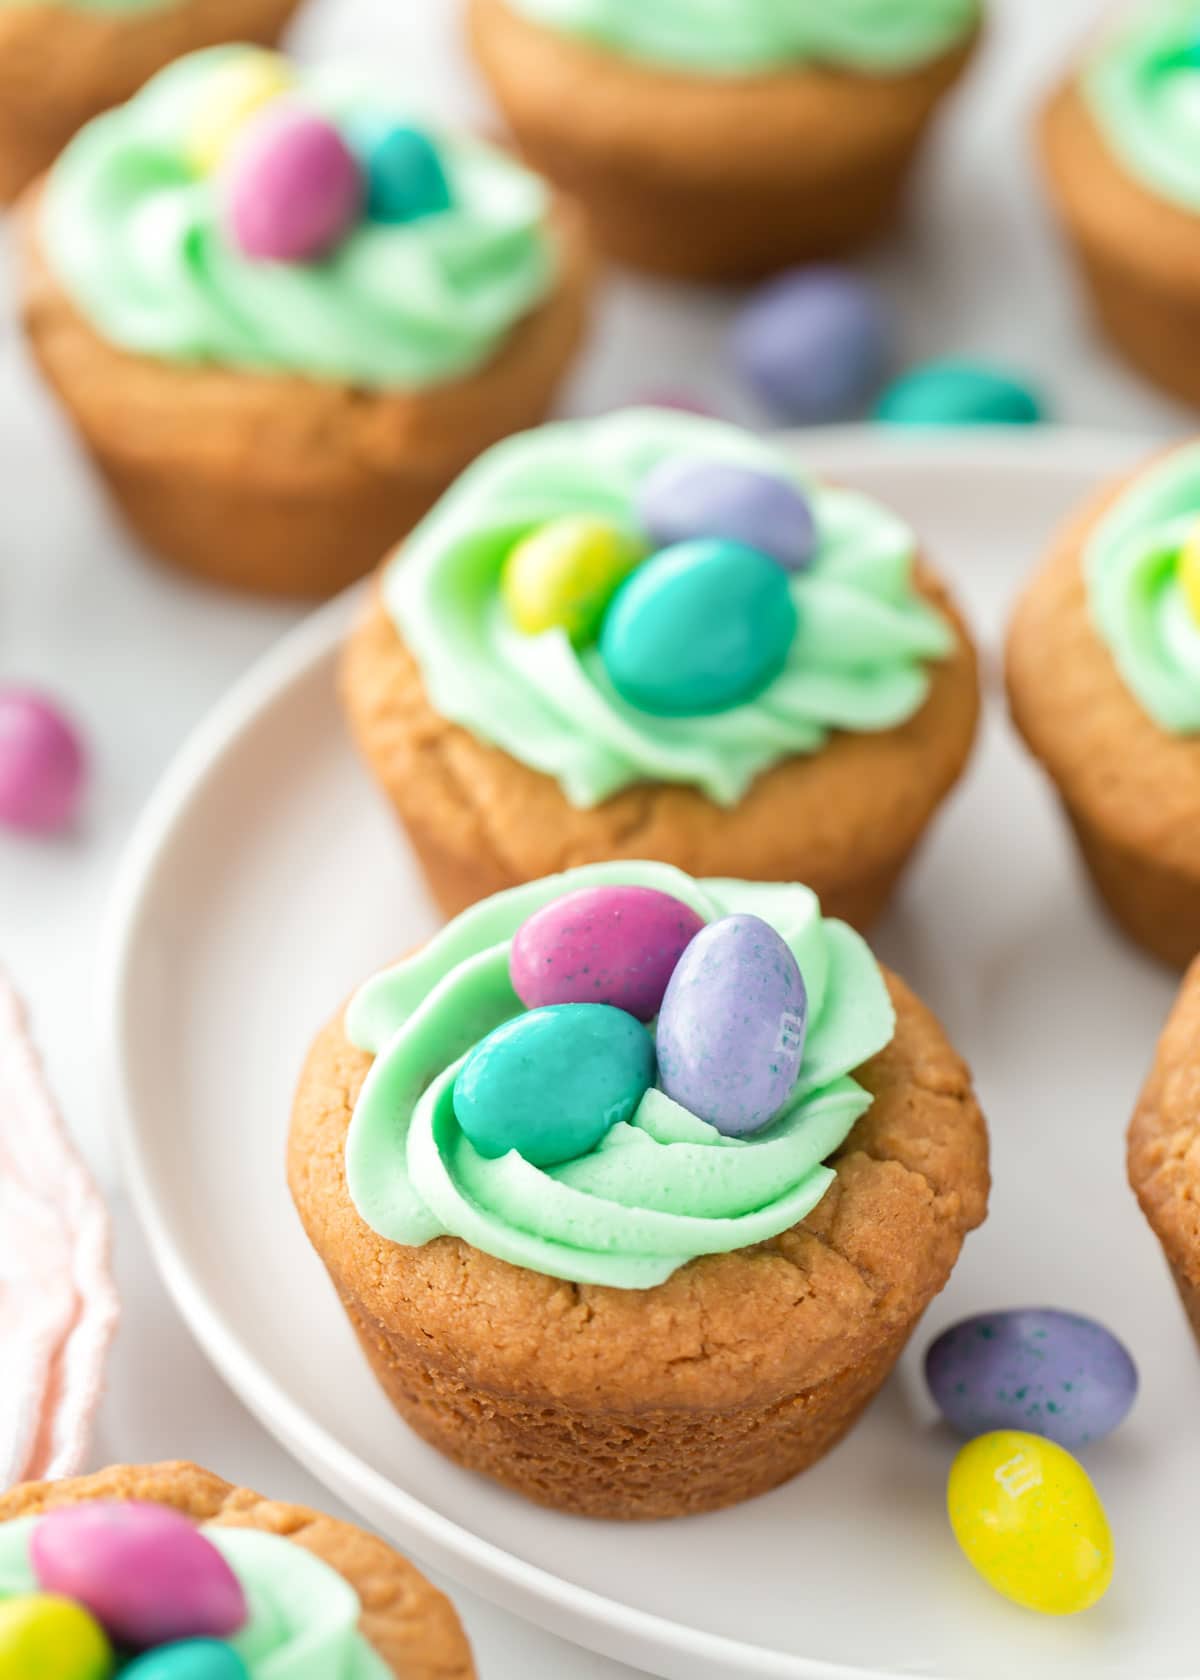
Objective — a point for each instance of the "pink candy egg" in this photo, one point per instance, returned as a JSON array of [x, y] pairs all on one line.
[[145, 1572], [41, 764], [294, 187], [614, 945]]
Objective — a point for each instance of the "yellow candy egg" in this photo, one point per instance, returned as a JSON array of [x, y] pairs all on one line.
[[1189, 572], [564, 574], [43, 1637], [239, 87], [1028, 1518]]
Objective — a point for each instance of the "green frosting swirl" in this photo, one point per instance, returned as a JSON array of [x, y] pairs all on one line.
[[137, 238], [1143, 88], [1137, 603], [303, 1615], [740, 37], [858, 660], [659, 1190]]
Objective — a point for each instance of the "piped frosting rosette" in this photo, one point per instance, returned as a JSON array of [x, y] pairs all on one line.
[[661, 1187], [856, 656], [1142, 565], [1143, 87]]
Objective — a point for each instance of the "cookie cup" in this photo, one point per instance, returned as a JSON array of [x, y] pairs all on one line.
[[60, 66], [714, 178], [282, 485], [736, 1374], [411, 1626], [1130, 789], [1139, 255]]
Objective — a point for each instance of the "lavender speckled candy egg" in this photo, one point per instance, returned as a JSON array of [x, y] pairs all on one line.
[[732, 1026], [616, 945], [294, 187], [690, 496], [1038, 1370], [812, 344], [145, 1572]]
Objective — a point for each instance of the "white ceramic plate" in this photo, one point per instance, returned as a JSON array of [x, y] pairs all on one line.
[[267, 879]]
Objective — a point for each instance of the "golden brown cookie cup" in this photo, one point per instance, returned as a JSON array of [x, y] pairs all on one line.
[[60, 66], [282, 485], [412, 1627], [1139, 254], [1130, 790], [736, 1374], [844, 820], [709, 178]]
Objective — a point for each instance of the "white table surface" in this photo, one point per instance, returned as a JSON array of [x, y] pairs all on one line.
[[140, 655]]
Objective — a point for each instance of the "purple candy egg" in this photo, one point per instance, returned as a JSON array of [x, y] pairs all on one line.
[[690, 496], [615, 945], [42, 764], [812, 344], [294, 187], [732, 1026], [145, 1572]]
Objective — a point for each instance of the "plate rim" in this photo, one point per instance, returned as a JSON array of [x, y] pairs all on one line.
[[596, 1621]]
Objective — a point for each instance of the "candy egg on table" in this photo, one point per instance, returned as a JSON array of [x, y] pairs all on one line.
[[248, 80], [1029, 1520], [44, 1637], [551, 1083], [958, 394], [189, 1659], [294, 188], [812, 344], [144, 1571], [564, 574], [1189, 571], [42, 764], [405, 176], [732, 1026], [1051, 1373], [700, 627], [689, 496], [615, 945]]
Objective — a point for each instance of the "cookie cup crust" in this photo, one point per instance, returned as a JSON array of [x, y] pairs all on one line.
[[710, 178], [278, 484], [738, 1372], [844, 820], [1130, 789], [411, 1625], [1139, 255], [60, 67]]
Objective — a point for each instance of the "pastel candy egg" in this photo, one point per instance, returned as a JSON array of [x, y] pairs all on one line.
[[1189, 572], [701, 627], [144, 1571], [813, 344], [42, 764], [690, 496], [958, 394], [406, 178], [1051, 1373], [552, 1083], [237, 89], [564, 574], [294, 187], [190, 1659], [43, 1637], [732, 1026], [1031, 1523], [616, 945]]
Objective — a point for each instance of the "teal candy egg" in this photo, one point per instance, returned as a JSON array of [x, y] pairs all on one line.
[[958, 394], [190, 1659], [702, 626], [406, 178], [551, 1083]]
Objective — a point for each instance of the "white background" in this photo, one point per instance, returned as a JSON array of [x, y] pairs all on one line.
[[140, 656]]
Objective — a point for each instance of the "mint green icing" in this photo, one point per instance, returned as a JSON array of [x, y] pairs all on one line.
[[1137, 602], [739, 37], [1143, 88], [661, 1189], [858, 661], [303, 1615], [138, 240]]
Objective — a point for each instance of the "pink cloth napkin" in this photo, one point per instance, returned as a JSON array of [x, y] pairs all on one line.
[[58, 1304]]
